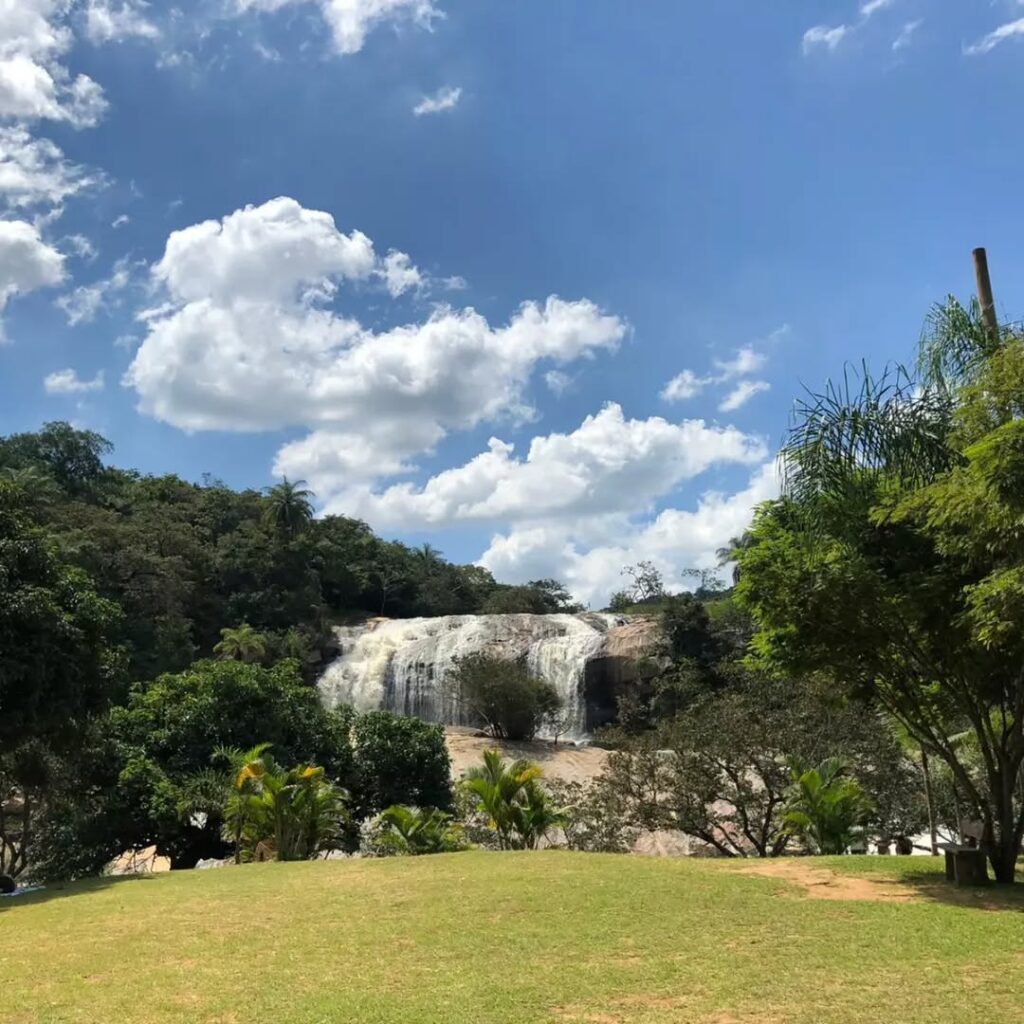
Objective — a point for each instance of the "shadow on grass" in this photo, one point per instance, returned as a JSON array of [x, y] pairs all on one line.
[[933, 886], [67, 890]]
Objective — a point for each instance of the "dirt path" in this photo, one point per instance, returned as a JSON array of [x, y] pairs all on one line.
[[824, 884]]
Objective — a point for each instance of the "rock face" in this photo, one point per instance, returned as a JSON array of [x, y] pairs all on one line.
[[401, 664]]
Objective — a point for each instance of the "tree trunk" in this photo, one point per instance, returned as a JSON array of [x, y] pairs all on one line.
[[929, 802]]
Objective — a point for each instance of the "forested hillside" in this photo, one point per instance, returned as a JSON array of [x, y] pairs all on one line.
[[185, 560]]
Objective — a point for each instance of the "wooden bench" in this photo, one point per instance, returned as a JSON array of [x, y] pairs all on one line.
[[965, 865]]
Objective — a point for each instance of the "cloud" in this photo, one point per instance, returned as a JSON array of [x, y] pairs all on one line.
[[608, 465], [445, 98], [906, 36], [247, 340], [67, 382], [84, 303], [590, 560], [34, 172], [350, 21], [399, 274], [1011, 30], [105, 22], [120, 221], [558, 382], [682, 386], [870, 7], [455, 283], [26, 261], [824, 36], [34, 83], [741, 394], [747, 360], [829, 37]]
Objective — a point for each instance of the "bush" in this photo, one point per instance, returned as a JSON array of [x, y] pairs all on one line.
[[410, 832], [503, 697], [399, 760], [596, 818]]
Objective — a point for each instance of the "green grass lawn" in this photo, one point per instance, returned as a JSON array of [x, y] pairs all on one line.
[[513, 938]]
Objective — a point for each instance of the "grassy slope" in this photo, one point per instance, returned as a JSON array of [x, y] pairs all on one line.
[[484, 938]]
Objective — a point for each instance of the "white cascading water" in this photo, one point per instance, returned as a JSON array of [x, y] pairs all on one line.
[[400, 665]]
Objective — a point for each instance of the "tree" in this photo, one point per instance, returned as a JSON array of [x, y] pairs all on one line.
[[399, 760], [893, 560], [825, 807], [719, 771], [58, 659], [289, 507], [648, 583], [516, 806], [74, 458], [292, 813], [502, 696], [155, 772], [241, 644]]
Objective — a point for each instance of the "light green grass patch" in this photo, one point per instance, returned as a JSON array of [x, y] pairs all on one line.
[[512, 938]]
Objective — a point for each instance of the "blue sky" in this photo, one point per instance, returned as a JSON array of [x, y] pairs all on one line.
[[735, 196]]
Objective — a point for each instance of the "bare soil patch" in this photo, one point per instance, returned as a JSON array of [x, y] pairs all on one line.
[[825, 884]]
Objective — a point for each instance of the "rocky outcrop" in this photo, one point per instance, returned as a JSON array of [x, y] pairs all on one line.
[[401, 664]]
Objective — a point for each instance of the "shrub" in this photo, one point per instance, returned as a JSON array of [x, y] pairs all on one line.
[[596, 818], [825, 807], [518, 809], [411, 831], [503, 697], [399, 760]]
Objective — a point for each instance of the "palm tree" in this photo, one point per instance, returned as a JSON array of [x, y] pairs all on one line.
[[241, 644], [516, 805], [295, 813], [244, 773], [37, 487], [289, 507], [422, 830], [728, 552], [826, 807]]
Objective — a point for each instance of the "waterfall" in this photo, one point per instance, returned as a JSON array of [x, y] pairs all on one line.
[[401, 664]]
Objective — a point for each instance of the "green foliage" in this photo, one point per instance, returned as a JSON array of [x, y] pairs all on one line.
[[183, 560], [516, 807], [283, 814], [595, 816], [538, 597], [825, 807], [503, 696], [719, 770], [400, 831], [58, 659], [893, 561], [157, 766], [399, 760], [289, 507], [241, 644]]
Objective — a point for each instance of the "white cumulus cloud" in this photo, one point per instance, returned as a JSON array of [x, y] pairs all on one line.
[[34, 172], [350, 21], [446, 98], [589, 555], [67, 382], [609, 464], [34, 82], [112, 22], [26, 261], [248, 340], [682, 386]]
